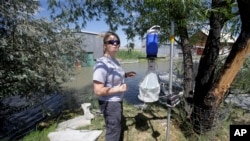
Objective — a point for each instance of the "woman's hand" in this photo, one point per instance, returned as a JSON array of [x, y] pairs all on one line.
[[123, 88], [130, 74]]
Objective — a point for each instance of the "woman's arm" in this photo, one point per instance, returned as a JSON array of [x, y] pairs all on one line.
[[101, 90]]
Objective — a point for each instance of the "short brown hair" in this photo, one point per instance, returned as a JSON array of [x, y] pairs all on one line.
[[109, 33]]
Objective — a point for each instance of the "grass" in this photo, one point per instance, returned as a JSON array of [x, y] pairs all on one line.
[[142, 125], [40, 135], [132, 55]]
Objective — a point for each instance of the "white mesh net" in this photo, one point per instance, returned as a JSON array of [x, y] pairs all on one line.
[[149, 88]]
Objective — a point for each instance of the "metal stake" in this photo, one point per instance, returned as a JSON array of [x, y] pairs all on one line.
[[170, 76]]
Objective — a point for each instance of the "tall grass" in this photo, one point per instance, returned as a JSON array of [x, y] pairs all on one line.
[[40, 135], [130, 55]]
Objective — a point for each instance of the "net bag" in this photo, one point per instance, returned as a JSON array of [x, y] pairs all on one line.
[[149, 88]]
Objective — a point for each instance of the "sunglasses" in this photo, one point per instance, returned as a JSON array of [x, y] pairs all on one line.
[[112, 42]]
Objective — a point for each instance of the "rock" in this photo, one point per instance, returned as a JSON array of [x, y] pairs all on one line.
[[86, 111], [241, 100]]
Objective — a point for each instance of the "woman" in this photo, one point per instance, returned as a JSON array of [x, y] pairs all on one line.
[[109, 86]]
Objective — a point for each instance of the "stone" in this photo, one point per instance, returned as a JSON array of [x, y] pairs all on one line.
[[87, 114], [74, 135]]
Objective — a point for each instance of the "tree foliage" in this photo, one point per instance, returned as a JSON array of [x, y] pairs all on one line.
[[35, 54], [136, 17]]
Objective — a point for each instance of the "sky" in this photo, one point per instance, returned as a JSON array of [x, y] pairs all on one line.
[[92, 26]]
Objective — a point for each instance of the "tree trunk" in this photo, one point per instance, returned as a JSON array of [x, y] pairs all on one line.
[[188, 68], [208, 94], [204, 110]]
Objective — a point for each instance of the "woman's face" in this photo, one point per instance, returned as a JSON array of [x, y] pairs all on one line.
[[111, 45]]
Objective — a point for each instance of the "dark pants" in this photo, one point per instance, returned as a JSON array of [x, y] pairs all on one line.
[[112, 112]]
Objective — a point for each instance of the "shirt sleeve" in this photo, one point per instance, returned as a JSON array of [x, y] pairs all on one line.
[[100, 72]]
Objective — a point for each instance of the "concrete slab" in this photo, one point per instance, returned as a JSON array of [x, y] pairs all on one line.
[[74, 123], [74, 135]]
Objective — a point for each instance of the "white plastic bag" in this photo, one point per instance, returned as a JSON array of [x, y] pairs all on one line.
[[149, 88]]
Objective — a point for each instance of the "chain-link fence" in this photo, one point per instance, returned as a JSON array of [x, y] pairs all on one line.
[[208, 120]]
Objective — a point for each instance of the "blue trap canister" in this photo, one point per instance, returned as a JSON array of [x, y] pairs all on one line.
[[152, 43]]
